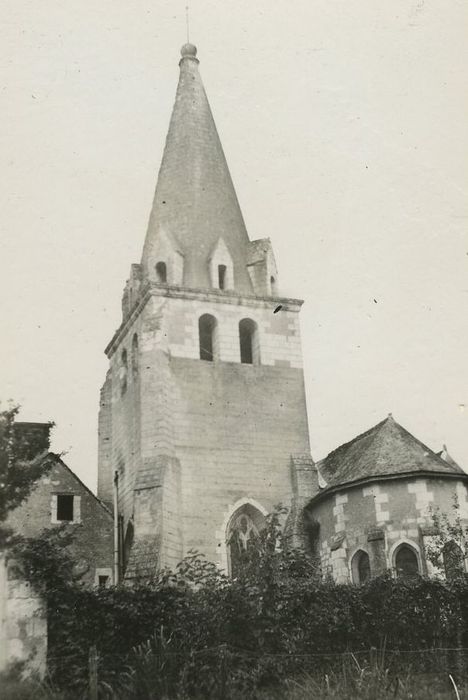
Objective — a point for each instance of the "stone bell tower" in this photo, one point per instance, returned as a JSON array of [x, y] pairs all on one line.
[[203, 409]]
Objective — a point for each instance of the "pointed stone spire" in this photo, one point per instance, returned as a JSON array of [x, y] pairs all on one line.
[[195, 204]]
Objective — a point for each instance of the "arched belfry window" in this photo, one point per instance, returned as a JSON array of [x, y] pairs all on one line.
[[135, 362], [453, 559], [161, 273], [123, 372], [207, 332], [360, 567], [243, 534], [406, 562], [248, 339]]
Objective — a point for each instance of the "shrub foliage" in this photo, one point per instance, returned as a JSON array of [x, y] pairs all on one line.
[[196, 633]]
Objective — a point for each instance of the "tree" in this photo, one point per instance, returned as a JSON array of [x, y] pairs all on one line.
[[21, 464], [448, 546]]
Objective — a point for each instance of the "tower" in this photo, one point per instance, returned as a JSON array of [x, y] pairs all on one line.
[[203, 410]]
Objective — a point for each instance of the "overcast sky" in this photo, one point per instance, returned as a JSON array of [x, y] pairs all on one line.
[[344, 126]]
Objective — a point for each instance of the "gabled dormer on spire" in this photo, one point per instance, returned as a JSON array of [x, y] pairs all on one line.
[[195, 203]]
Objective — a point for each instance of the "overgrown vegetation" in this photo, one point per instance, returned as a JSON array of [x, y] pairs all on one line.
[[448, 545], [274, 631]]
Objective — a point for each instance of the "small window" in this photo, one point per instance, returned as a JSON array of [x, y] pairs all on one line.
[[65, 508], [135, 355], [123, 372], [103, 577], [222, 269], [161, 273], [248, 339], [360, 567], [406, 562], [207, 337], [273, 285]]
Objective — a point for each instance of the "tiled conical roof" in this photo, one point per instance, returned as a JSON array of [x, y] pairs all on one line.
[[195, 202], [387, 449]]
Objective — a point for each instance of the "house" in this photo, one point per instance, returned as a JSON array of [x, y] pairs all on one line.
[[59, 497]]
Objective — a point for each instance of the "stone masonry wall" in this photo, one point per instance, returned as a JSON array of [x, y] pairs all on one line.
[[236, 426], [23, 622], [378, 517], [93, 525], [228, 429]]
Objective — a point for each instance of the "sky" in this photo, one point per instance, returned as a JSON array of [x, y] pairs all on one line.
[[344, 127]]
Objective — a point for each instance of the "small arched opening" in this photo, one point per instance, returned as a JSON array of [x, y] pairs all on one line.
[[135, 363], [248, 339], [123, 372], [406, 563], [222, 273], [207, 333], [273, 287], [243, 536], [127, 545], [360, 567], [161, 273], [453, 559]]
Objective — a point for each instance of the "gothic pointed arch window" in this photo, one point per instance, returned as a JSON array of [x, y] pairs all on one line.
[[360, 567], [243, 535], [208, 337], [405, 561], [453, 559], [249, 344]]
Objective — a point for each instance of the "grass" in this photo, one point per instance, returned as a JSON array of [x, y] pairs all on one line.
[[354, 681]]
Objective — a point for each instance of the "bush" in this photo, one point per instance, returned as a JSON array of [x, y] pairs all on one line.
[[196, 634]]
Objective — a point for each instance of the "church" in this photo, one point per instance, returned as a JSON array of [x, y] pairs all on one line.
[[203, 424]]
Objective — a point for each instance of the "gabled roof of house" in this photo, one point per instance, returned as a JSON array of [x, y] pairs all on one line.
[[386, 450], [54, 458]]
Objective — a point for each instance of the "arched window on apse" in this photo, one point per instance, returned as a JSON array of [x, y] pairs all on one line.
[[248, 339], [161, 273], [243, 533], [207, 332], [123, 372], [406, 561], [135, 362], [222, 270], [454, 561], [360, 567], [273, 287]]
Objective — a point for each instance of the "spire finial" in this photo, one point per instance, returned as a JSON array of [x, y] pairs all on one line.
[[188, 50], [187, 22]]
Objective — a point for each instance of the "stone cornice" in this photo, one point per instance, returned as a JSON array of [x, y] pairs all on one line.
[[216, 296], [377, 478]]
